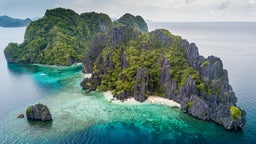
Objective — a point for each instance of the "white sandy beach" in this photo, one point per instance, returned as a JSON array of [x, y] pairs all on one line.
[[150, 100], [86, 75]]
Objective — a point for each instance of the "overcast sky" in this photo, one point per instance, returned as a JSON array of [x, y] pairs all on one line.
[[157, 10]]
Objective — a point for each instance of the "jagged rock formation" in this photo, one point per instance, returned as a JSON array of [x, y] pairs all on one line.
[[38, 112], [141, 80], [132, 64]]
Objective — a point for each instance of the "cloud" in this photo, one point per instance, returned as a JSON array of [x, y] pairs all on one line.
[[25, 8], [224, 5], [212, 12], [158, 10], [251, 2], [189, 1]]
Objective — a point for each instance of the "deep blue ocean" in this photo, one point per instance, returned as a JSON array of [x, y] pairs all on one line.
[[79, 117]]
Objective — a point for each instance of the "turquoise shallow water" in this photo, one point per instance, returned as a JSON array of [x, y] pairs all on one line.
[[79, 117]]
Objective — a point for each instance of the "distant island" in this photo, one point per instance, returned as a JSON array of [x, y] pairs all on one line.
[[6, 21], [126, 59]]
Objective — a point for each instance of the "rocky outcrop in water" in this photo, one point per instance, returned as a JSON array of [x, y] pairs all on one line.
[[131, 64], [38, 112], [20, 116]]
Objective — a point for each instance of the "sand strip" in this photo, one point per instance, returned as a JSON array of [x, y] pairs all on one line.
[[151, 100]]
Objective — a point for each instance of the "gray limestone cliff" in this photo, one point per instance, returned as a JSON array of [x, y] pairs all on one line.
[[141, 80]]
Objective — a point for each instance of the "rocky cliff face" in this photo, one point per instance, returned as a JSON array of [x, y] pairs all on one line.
[[141, 80], [113, 38], [132, 64], [214, 105]]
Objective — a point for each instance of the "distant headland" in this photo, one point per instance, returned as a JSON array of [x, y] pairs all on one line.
[[6, 21]]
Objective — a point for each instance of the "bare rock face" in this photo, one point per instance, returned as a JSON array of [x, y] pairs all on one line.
[[121, 35], [140, 87], [165, 78], [215, 105], [97, 43], [38, 112], [114, 37], [198, 108], [192, 54], [91, 83], [161, 37], [165, 68], [124, 63], [212, 69]]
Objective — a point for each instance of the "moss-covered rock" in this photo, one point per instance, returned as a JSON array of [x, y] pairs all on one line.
[[190, 104], [38, 112], [235, 112]]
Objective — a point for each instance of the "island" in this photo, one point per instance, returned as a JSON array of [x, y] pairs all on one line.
[[62, 36], [6, 21], [126, 59]]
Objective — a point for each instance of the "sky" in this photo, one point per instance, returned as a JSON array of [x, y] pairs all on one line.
[[156, 10]]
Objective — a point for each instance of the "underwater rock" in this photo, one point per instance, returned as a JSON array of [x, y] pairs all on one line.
[[20, 116]]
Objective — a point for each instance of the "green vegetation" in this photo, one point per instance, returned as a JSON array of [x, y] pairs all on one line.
[[122, 80], [29, 110], [38, 113], [190, 104], [61, 37], [205, 63], [134, 22], [145, 50], [235, 112], [97, 22]]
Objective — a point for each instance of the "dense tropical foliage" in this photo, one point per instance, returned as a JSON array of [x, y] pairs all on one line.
[[61, 37], [141, 50]]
